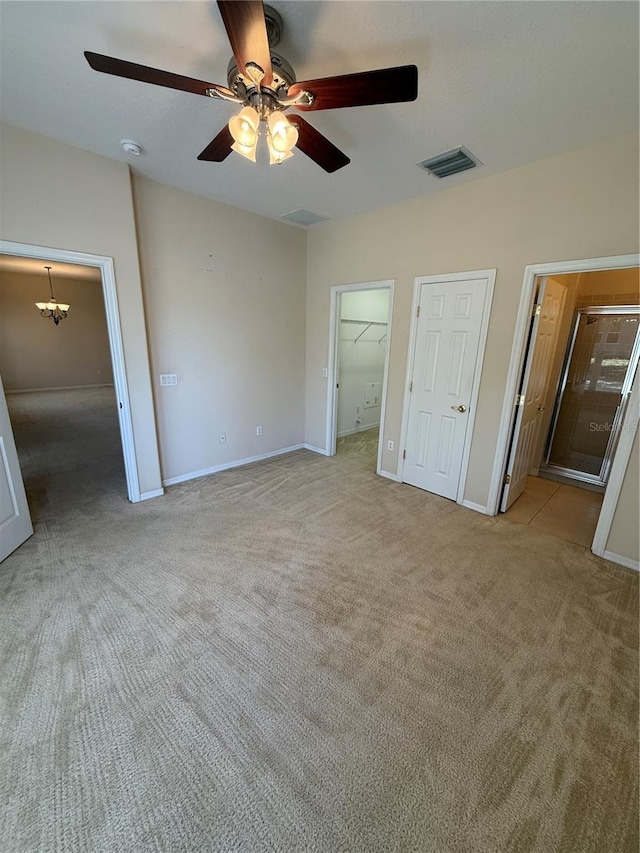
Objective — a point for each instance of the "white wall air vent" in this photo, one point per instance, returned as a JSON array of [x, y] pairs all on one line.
[[303, 217], [450, 162]]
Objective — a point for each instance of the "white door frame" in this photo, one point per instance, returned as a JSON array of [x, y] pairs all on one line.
[[107, 271], [480, 275], [334, 336], [516, 364]]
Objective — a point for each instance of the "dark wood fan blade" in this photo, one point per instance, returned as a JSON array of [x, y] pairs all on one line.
[[132, 71], [317, 147], [219, 148], [385, 86], [247, 32]]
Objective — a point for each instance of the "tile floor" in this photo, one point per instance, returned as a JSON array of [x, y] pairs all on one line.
[[560, 510]]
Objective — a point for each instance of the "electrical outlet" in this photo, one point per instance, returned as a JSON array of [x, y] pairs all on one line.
[[222, 437], [390, 445], [259, 430]]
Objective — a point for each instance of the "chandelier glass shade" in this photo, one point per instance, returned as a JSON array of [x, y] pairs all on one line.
[[53, 309], [245, 130]]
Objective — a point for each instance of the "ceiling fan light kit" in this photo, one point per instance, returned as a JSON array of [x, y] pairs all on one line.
[[265, 85]]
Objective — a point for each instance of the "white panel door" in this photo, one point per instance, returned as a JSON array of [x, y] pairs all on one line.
[[444, 363], [15, 522], [529, 415]]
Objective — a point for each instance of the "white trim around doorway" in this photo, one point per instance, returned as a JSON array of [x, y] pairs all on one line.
[[518, 353], [480, 275], [107, 272], [332, 361]]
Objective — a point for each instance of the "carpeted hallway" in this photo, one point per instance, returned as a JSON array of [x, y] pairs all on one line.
[[302, 656]]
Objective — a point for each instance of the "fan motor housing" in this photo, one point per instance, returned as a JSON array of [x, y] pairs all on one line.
[[283, 77]]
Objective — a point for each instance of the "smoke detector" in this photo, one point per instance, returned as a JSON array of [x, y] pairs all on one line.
[[131, 147]]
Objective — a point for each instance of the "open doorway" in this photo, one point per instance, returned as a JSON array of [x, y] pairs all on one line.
[[38, 256], [359, 347], [581, 356], [58, 381]]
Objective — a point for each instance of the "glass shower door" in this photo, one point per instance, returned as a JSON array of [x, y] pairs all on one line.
[[596, 381]]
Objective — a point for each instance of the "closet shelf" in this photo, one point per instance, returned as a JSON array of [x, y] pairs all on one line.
[[367, 324]]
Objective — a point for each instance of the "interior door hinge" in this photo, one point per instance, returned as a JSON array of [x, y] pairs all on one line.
[[520, 400], [536, 310], [404, 454], [418, 311], [507, 479], [411, 386]]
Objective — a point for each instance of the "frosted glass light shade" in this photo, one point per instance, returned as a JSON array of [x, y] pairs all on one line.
[[283, 135], [276, 157], [244, 127], [248, 151]]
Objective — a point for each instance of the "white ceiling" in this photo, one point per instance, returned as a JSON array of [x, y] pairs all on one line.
[[36, 266], [512, 81]]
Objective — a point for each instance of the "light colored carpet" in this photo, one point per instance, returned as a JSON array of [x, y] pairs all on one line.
[[301, 656]]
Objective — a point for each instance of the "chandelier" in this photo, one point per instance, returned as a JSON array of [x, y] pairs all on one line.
[[54, 309]]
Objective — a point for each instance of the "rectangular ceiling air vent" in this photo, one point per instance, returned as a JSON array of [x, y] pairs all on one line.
[[303, 217], [450, 162]]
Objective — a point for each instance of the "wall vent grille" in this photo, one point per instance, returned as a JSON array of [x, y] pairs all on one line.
[[450, 162]]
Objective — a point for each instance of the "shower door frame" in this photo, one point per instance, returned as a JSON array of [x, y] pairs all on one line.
[[601, 478]]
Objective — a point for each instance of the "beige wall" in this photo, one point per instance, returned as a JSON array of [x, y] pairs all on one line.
[[223, 288], [613, 283], [57, 196], [224, 293], [577, 205], [34, 352]]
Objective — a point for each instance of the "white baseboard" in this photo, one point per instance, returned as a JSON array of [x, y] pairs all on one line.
[[475, 507], [361, 428], [60, 388], [315, 449], [192, 475], [389, 476], [156, 493], [627, 562]]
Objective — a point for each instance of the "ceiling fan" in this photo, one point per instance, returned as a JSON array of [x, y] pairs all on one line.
[[264, 83]]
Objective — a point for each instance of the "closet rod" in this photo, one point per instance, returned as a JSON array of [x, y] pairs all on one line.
[[367, 325]]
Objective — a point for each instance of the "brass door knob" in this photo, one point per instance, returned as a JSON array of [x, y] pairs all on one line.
[[459, 408], [541, 408]]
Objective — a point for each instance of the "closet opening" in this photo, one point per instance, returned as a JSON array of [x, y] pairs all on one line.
[[361, 319]]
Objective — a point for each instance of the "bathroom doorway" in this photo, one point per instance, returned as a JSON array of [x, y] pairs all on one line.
[[580, 351]]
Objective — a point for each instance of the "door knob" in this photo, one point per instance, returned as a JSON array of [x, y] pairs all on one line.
[[459, 408], [541, 408]]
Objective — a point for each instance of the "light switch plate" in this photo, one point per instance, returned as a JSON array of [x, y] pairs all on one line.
[[167, 379]]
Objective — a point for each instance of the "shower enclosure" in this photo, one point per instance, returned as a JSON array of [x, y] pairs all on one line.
[[594, 389]]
